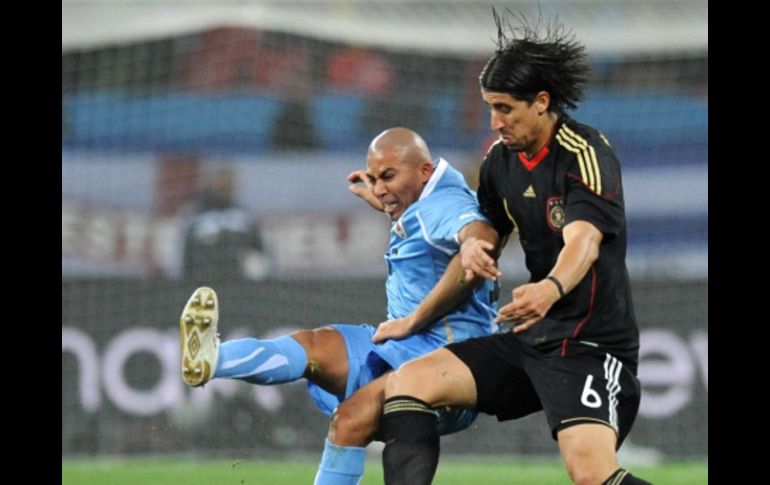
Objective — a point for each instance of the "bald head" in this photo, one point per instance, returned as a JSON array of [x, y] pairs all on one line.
[[401, 143], [398, 167]]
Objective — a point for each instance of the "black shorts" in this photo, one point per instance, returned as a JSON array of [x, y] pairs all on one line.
[[586, 386]]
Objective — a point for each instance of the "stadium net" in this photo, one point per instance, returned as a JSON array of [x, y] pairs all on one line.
[[217, 155]]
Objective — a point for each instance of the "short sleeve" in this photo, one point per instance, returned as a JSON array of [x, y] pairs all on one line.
[[446, 215]]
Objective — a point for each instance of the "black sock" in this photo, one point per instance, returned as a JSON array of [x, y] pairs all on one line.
[[622, 477], [411, 441]]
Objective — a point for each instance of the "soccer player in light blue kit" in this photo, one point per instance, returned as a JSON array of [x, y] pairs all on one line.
[[430, 304]]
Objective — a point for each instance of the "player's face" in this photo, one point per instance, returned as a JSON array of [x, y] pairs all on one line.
[[396, 182], [519, 123]]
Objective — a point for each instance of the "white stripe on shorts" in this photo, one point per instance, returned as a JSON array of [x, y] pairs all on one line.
[[612, 368]]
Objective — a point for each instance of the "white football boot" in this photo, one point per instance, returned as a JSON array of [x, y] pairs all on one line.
[[199, 338]]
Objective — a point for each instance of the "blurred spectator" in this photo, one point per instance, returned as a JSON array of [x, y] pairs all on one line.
[[293, 128], [367, 73], [224, 59], [358, 70], [221, 240], [235, 59], [292, 72]]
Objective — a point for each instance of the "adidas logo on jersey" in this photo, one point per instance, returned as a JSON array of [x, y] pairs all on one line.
[[530, 192]]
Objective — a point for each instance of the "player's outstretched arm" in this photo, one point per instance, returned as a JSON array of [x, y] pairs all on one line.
[[365, 191], [532, 301], [452, 288]]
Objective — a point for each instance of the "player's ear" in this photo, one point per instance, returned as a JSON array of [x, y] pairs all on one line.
[[542, 102], [426, 170]]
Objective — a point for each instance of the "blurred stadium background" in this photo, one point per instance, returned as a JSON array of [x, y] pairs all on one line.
[[208, 142]]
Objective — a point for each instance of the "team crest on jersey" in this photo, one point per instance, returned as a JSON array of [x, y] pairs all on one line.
[[556, 215], [398, 228]]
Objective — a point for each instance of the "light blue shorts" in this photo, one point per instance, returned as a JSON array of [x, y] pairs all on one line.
[[368, 361]]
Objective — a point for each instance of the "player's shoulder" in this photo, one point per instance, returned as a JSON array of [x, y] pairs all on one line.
[[445, 202], [581, 133], [496, 155], [576, 137], [496, 149]]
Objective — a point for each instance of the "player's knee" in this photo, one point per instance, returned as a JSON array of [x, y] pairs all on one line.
[[587, 470], [589, 452], [351, 427], [319, 343], [306, 339], [585, 477]]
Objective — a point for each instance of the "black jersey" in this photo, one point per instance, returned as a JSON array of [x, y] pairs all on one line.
[[576, 176]]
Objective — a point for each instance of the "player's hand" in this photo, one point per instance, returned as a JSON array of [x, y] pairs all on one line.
[[476, 259], [393, 329], [365, 191], [530, 304]]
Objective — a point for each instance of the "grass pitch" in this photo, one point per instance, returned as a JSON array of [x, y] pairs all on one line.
[[452, 470]]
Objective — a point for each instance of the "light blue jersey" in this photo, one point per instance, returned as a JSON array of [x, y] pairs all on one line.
[[422, 242]]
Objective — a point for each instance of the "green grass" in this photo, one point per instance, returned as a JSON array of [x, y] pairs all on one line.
[[453, 470]]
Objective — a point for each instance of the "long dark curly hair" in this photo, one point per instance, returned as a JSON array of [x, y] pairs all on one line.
[[527, 62]]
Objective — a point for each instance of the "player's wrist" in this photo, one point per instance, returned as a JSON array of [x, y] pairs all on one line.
[[557, 284], [412, 325], [462, 241]]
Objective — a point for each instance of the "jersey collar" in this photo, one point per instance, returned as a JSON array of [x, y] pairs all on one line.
[[531, 163], [438, 172]]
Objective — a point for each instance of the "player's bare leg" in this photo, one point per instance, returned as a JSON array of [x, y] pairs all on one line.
[[409, 421], [354, 425], [451, 381], [354, 422], [327, 362], [588, 451]]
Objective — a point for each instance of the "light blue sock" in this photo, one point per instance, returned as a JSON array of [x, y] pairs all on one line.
[[262, 361], [340, 465]]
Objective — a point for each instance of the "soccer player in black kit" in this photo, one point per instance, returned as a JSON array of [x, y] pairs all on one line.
[[574, 344]]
